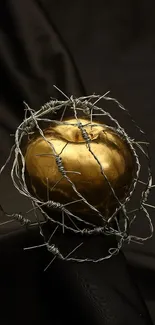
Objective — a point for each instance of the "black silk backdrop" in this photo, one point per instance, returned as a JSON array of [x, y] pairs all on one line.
[[83, 47]]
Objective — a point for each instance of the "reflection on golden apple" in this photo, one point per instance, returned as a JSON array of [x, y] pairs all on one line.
[[111, 150]]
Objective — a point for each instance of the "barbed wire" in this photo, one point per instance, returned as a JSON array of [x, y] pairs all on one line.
[[88, 106]]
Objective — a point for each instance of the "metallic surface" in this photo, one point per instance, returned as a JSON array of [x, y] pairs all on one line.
[[111, 150]]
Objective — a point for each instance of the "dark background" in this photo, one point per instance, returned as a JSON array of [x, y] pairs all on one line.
[[83, 47]]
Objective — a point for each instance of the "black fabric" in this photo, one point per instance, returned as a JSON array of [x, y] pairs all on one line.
[[67, 292], [81, 47]]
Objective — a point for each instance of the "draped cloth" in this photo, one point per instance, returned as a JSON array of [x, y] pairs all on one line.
[[82, 47]]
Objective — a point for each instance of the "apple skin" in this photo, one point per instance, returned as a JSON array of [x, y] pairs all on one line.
[[46, 181]]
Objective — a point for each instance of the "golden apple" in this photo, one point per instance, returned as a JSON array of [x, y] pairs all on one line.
[[113, 152]]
